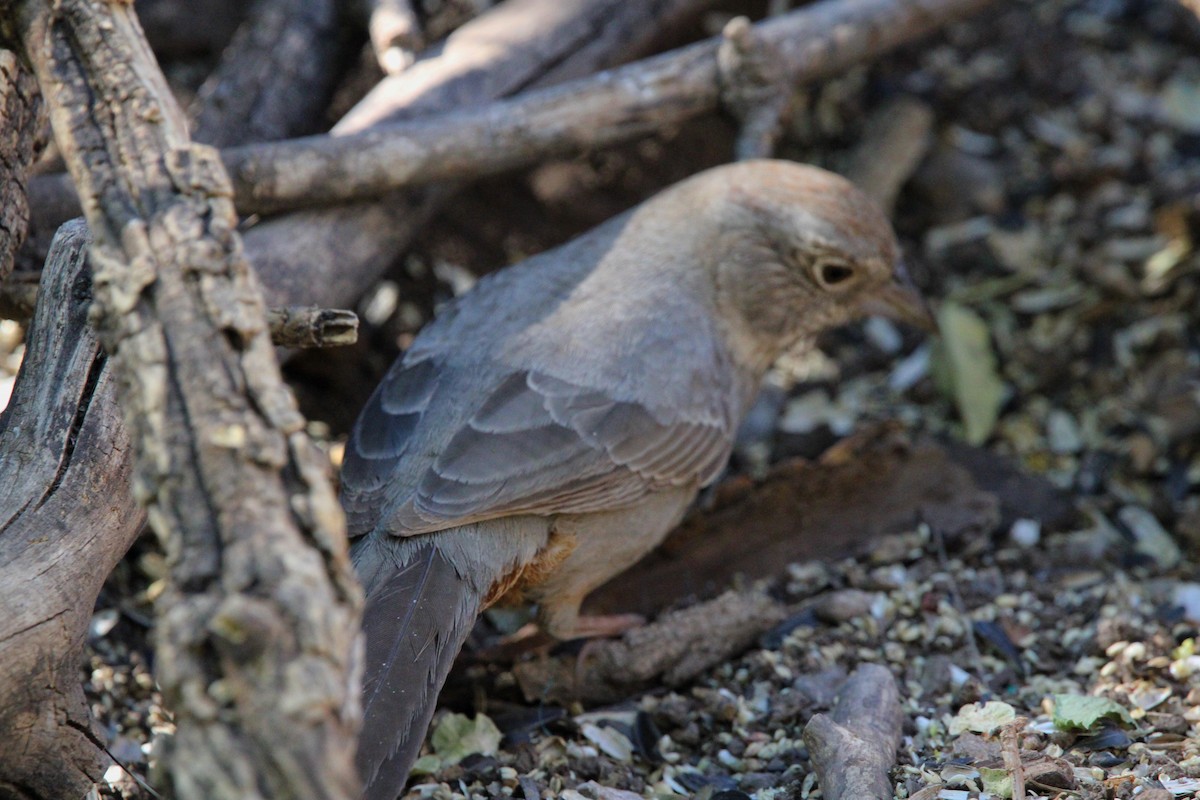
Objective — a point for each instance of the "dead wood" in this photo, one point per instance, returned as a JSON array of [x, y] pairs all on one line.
[[274, 78], [673, 650], [312, 327], [510, 48], [21, 120], [66, 518], [396, 35], [612, 107], [257, 633], [635, 100], [854, 747]]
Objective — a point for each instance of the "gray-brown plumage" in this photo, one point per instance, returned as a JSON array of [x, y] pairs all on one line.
[[552, 425]]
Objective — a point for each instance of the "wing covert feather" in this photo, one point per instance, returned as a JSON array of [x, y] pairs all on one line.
[[537, 444]]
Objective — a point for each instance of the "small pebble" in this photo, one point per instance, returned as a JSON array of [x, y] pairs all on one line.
[[1025, 533]]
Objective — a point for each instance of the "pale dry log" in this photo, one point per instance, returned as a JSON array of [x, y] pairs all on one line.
[[21, 120], [256, 642], [515, 46], [274, 77], [854, 747], [396, 35], [66, 518]]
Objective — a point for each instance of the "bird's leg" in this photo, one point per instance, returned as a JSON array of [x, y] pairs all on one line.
[[754, 88]]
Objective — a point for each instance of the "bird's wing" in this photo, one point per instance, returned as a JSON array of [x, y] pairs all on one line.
[[537, 444]]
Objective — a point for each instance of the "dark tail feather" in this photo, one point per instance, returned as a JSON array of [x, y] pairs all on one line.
[[418, 613]]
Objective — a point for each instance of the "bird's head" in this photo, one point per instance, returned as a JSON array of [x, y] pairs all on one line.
[[801, 250]]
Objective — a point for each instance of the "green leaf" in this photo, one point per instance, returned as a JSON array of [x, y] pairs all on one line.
[[984, 718], [1077, 712], [996, 782], [457, 736], [966, 370], [427, 765]]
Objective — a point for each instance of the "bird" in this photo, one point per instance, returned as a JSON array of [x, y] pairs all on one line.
[[551, 425]]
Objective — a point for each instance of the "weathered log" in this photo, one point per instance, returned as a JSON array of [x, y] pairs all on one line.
[[66, 518], [274, 78], [854, 747], [257, 636]]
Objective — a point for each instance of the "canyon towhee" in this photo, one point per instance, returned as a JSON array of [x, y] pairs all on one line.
[[551, 426]]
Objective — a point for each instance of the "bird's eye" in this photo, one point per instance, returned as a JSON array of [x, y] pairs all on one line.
[[833, 275]]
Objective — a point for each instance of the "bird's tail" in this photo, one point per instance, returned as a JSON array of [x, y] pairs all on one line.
[[423, 594]]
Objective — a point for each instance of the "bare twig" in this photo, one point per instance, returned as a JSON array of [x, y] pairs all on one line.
[[854, 747], [673, 649], [290, 326], [1010, 749], [312, 327], [256, 644], [396, 34]]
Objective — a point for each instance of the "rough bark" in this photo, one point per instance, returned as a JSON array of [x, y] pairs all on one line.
[[854, 747], [66, 519], [274, 78], [21, 120], [256, 647]]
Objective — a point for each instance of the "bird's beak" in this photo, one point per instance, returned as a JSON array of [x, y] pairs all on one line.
[[901, 301]]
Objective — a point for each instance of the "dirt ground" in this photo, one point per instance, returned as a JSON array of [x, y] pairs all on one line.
[[1055, 218]]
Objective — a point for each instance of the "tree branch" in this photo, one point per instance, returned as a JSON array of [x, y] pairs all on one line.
[[605, 109], [257, 633]]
